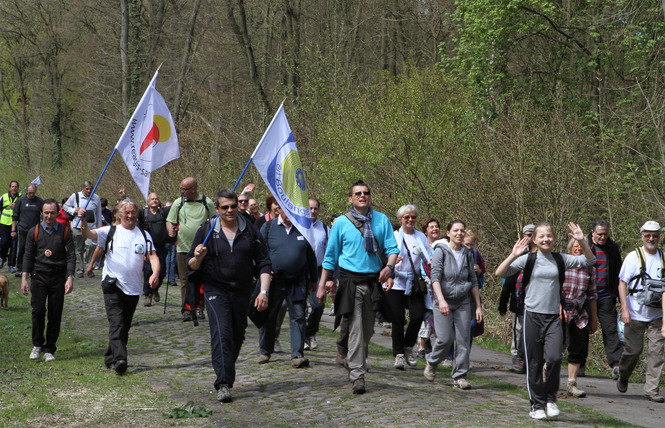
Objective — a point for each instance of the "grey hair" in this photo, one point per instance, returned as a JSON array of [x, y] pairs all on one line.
[[406, 209], [87, 183], [570, 244], [124, 202]]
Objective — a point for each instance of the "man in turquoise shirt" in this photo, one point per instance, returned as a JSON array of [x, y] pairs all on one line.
[[355, 244]]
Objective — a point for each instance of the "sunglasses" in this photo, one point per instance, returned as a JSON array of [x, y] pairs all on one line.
[[529, 234], [366, 193], [226, 207], [243, 201]]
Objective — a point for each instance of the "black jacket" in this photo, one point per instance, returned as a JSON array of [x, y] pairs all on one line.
[[614, 264]]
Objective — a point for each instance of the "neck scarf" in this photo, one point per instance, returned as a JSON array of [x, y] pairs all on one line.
[[370, 241]]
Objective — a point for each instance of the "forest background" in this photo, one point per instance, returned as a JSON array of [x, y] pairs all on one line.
[[497, 112]]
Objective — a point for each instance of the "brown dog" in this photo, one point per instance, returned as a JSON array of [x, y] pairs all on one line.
[[4, 294]]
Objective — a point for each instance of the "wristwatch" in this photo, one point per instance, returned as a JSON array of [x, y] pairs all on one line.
[[264, 292], [392, 270]]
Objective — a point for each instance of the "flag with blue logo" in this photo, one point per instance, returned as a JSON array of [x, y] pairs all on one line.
[[277, 159]]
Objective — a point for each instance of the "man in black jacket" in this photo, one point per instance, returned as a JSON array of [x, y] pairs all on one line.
[[233, 253], [608, 265], [50, 257], [153, 219]]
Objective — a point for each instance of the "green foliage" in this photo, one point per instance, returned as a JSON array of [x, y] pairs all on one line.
[[189, 410]]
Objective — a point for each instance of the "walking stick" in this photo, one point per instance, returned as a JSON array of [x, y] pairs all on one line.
[[167, 295]]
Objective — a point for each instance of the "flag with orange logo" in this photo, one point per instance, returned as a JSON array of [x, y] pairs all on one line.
[[149, 141]]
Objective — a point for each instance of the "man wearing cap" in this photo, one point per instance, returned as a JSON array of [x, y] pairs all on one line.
[[640, 319]]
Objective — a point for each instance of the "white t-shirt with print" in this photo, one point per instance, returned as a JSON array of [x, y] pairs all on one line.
[[630, 268], [124, 259]]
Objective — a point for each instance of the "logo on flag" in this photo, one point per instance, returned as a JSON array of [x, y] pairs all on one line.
[[277, 159], [149, 141]]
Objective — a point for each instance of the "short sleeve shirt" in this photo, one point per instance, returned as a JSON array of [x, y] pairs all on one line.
[[124, 258]]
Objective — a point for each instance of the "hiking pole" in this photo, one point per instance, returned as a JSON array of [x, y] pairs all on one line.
[[167, 295]]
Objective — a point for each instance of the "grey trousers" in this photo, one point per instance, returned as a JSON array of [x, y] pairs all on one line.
[[453, 328], [607, 317], [82, 257], [632, 350], [361, 329], [517, 344]]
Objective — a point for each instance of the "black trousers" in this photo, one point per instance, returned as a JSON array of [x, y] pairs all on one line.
[[147, 271], [395, 303], [227, 318], [47, 291], [119, 311], [607, 318], [543, 343]]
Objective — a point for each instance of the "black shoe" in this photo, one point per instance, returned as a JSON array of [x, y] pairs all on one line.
[[200, 315], [91, 275], [655, 398], [224, 394], [18, 274], [79, 274], [359, 386], [622, 385], [186, 317], [120, 367]]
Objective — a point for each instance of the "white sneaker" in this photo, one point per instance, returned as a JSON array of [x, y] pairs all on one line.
[[410, 358], [306, 346], [538, 414], [462, 383], [277, 347], [331, 313], [48, 357], [552, 410], [313, 343], [399, 361], [430, 371], [36, 353]]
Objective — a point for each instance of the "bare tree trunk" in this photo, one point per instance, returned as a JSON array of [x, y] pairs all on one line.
[[159, 17], [185, 60], [239, 28], [23, 120], [124, 56], [293, 9]]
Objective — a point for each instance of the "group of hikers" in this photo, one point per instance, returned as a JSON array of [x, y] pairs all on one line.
[[236, 263]]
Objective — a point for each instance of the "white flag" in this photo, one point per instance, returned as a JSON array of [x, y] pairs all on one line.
[[37, 181], [149, 141], [277, 159]]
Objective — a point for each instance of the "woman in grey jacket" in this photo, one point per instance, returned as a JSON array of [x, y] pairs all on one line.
[[454, 283]]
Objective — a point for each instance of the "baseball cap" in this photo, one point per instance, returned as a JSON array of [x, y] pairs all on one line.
[[528, 228], [651, 226]]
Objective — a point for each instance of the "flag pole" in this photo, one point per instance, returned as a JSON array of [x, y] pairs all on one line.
[[78, 219]]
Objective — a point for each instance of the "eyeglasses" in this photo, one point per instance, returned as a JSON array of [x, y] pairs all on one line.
[[652, 235], [243, 201], [409, 217], [366, 193], [185, 189], [226, 207], [529, 234]]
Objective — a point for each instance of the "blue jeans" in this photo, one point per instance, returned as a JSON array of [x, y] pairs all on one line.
[[171, 263], [314, 318], [296, 323]]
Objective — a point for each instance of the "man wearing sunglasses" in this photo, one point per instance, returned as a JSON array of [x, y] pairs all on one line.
[[640, 319], [358, 243], [234, 253]]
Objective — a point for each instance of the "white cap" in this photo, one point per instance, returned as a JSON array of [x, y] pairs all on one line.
[[651, 226], [529, 228]]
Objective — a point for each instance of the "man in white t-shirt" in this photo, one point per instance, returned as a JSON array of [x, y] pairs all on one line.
[[122, 281], [640, 319]]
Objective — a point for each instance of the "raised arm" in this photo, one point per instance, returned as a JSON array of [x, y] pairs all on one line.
[[518, 249]]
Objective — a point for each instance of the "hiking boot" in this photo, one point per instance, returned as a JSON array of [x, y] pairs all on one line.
[[147, 301], [306, 346], [313, 343], [36, 353], [552, 410], [359, 386], [399, 361], [430, 371], [187, 316], [299, 362], [461, 383], [518, 365], [331, 313], [2, 263], [91, 275], [538, 414], [622, 385], [655, 398], [409, 357], [615, 373], [263, 359], [448, 363], [200, 315], [48, 357], [120, 367], [155, 296], [421, 353], [573, 390], [224, 394]]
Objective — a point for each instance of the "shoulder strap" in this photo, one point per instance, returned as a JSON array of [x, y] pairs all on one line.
[[561, 266], [78, 204], [65, 235], [357, 223], [109, 238], [37, 232], [528, 269], [643, 270]]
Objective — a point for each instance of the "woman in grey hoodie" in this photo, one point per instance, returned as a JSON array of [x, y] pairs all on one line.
[[454, 283]]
